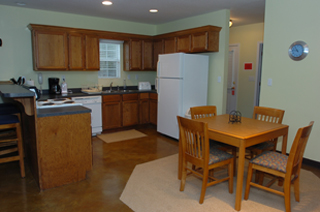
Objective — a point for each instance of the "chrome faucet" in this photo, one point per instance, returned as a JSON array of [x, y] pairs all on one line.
[[111, 86]]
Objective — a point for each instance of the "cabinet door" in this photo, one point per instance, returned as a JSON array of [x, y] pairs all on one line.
[[92, 53], [50, 50], [199, 42], [76, 51], [170, 45], [144, 108], [184, 43], [153, 108], [130, 111], [135, 54], [157, 49], [111, 115], [147, 62]]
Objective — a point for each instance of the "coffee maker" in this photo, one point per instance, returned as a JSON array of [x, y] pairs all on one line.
[[54, 87]]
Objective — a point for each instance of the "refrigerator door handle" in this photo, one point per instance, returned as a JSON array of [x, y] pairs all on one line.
[[158, 68]]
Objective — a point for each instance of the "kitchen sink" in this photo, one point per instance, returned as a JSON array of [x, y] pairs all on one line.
[[118, 91]]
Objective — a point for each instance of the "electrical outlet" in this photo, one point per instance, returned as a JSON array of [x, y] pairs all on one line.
[[269, 82], [63, 78], [137, 76], [128, 76]]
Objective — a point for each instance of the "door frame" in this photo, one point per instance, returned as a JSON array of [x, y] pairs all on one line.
[[236, 48], [257, 90]]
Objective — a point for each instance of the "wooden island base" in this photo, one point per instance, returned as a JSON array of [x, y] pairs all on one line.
[[65, 150]]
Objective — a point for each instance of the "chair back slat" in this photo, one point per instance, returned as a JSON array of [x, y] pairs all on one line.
[[268, 114], [203, 111], [298, 148]]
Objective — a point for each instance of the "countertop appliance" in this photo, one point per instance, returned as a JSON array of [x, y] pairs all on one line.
[[144, 86], [93, 103], [182, 82], [54, 87]]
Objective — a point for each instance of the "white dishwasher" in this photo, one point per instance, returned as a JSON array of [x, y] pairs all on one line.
[[93, 103]]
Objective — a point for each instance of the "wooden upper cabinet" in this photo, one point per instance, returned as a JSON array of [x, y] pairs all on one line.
[[50, 50], [138, 55], [147, 55], [132, 55], [92, 52], [76, 51], [157, 49], [184, 43], [205, 41], [169, 45]]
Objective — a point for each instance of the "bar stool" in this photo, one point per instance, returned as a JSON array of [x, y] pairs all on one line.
[[11, 136]]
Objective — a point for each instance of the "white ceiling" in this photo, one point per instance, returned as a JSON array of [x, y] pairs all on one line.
[[242, 12]]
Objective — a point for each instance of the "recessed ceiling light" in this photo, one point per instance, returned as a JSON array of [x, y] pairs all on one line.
[[20, 3], [107, 3], [153, 10]]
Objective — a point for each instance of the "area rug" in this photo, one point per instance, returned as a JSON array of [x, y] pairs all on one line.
[[121, 136], [154, 187]]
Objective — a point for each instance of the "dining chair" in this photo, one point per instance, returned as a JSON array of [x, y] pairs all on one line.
[[196, 151], [282, 166], [269, 115], [11, 145], [210, 111]]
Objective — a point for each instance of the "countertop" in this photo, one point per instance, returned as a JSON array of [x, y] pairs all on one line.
[[16, 91]]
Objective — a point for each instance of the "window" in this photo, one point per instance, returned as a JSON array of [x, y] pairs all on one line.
[[109, 59]]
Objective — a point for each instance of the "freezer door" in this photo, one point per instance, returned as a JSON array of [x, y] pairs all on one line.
[[170, 65], [169, 106]]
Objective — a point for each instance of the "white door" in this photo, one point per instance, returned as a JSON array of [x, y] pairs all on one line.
[[232, 84]]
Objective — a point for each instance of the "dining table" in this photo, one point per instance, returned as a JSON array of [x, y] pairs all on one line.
[[243, 134]]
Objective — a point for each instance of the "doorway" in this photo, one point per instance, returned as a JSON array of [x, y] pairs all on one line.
[[232, 84]]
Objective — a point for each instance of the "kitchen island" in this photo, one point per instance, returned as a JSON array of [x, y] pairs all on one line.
[[57, 141]]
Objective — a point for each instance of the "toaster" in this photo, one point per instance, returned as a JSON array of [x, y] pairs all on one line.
[[144, 86]]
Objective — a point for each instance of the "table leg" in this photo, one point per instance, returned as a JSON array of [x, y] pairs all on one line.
[[284, 143], [241, 160]]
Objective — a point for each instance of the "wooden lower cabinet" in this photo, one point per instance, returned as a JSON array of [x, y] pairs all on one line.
[[111, 112], [130, 109], [64, 151], [144, 108], [153, 108]]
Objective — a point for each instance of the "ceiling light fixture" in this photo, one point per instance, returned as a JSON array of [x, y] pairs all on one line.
[[153, 10], [107, 3], [20, 3], [230, 23]]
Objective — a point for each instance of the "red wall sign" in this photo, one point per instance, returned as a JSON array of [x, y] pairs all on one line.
[[247, 66]]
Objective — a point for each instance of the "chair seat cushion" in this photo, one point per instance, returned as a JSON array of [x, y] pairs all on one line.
[[262, 146], [217, 155], [8, 119], [272, 160]]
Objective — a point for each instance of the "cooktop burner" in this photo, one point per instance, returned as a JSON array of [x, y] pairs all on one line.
[[58, 102]]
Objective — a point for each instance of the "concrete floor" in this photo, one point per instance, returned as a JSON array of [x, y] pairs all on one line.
[[112, 165]]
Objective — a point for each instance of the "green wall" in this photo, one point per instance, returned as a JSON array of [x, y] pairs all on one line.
[[296, 84], [218, 61], [248, 38], [16, 51]]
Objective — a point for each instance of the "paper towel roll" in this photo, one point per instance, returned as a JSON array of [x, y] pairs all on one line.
[[30, 82]]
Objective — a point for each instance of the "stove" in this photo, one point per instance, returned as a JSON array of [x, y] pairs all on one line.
[[54, 103]]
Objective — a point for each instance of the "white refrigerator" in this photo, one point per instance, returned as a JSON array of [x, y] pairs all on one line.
[[182, 82]]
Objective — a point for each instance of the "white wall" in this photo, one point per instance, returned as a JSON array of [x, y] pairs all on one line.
[[296, 84]]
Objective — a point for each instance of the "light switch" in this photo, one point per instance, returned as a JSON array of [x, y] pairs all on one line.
[[269, 82], [128, 76], [219, 79], [137, 76]]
